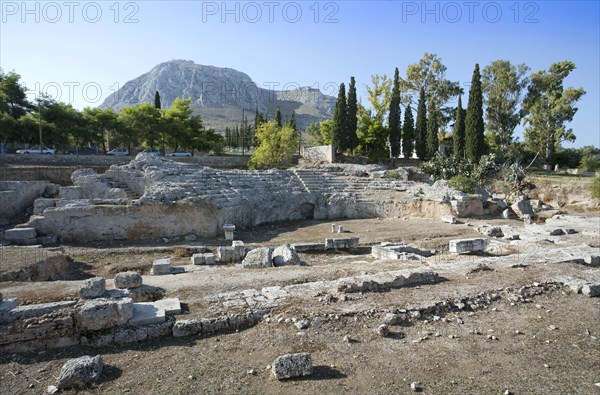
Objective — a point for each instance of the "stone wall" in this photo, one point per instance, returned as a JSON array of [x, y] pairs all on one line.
[[16, 197], [322, 153]]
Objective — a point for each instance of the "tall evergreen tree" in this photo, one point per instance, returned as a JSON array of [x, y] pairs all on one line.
[[408, 133], [458, 135], [278, 117], [292, 122], [352, 116], [157, 100], [432, 131], [340, 122], [421, 127], [474, 126], [394, 117]]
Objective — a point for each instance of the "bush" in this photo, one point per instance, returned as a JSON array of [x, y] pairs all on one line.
[[392, 175], [463, 183], [595, 187], [446, 167], [589, 163]]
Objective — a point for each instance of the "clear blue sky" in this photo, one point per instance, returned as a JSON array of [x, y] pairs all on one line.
[[81, 51]]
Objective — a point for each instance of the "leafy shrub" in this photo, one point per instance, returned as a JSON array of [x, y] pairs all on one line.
[[463, 183], [595, 187], [392, 175], [589, 163], [446, 167]]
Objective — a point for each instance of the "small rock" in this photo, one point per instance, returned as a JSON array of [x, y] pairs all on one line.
[[383, 330], [92, 288], [347, 339], [51, 389], [547, 366], [292, 365], [415, 386], [302, 324], [251, 372], [82, 370], [128, 280], [551, 328], [391, 319]]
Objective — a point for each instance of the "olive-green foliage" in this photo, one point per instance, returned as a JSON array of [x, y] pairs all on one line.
[[589, 163], [446, 167], [277, 146], [463, 183], [595, 187]]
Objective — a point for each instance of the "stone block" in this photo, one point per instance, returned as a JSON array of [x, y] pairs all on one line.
[[18, 235], [593, 260], [226, 254], [92, 288], [98, 314], [258, 258], [239, 249], [506, 214], [146, 314], [161, 266], [522, 207], [591, 290], [171, 306], [187, 328], [228, 229], [292, 365], [341, 243], [285, 256], [37, 310], [40, 204], [82, 370], [449, 219], [467, 245], [128, 280], [303, 247], [70, 193]]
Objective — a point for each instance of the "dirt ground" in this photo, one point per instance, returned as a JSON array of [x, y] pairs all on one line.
[[549, 345]]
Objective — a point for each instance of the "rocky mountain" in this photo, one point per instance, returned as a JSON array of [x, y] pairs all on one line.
[[220, 95]]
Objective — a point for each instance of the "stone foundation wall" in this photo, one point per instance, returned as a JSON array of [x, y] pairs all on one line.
[[16, 196], [322, 153]]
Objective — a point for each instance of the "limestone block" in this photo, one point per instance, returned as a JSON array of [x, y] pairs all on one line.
[[97, 314], [285, 256], [39, 205], [258, 258], [467, 245], [128, 280], [341, 243], [593, 260], [591, 290], [82, 370], [17, 235], [146, 314], [292, 365], [70, 193], [228, 229], [92, 288], [449, 219], [240, 250], [161, 266], [226, 254], [523, 207]]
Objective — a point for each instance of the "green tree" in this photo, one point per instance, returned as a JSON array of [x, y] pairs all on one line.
[[474, 126], [549, 106], [68, 124], [277, 146], [320, 133], [13, 96], [292, 122], [352, 117], [177, 130], [379, 96], [421, 127], [432, 130], [429, 73], [157, 100], [372, 135], [394, 116], [503, 85], [278, 117], [408, 133], [458, 135], [101, 124], [340, 123]]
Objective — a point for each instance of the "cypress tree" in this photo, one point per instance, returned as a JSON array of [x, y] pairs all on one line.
[[421, 127], [340, 122], [408, 133], [394, 117], [432, 131], [458, 135], [352, 139], [278, 117], [474, 126], [157, 100], [292, 122]]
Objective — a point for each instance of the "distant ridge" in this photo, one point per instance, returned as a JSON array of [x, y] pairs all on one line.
[[220, 94]]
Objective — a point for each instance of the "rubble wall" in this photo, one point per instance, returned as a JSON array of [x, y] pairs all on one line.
[[16, 196]]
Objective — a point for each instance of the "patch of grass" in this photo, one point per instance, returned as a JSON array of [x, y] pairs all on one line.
[[392, 175]]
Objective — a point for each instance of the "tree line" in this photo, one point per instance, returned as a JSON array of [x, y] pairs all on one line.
[[142, 126], [510, 97]]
